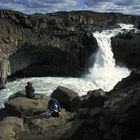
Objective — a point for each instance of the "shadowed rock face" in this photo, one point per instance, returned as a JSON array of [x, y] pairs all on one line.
[[52, 44], [126, 49]]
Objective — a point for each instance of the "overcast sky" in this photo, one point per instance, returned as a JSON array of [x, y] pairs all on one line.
[[44, 6]]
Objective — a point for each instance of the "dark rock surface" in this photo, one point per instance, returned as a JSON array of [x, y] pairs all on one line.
[[2, 86], [20, 105], [68, 99], [94, 98], [115, 119], [119, 118], [126, 49], [3, 113], [52, 44], [123, 109]]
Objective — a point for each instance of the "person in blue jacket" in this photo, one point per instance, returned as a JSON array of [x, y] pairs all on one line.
[[30, 91], [54, 108]]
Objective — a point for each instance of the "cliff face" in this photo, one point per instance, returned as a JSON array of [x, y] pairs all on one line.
[[51, 44], [126, 48]]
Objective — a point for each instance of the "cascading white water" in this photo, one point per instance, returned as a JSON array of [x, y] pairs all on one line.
[[104, 74]]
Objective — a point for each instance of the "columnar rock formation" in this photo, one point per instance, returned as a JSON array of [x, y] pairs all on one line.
[[51, 44]]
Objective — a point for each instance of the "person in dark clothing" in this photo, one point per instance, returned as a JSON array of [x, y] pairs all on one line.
[[30, 91], [54, 108]]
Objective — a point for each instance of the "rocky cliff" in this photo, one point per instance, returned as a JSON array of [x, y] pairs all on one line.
[[126, 49], [51, 44]]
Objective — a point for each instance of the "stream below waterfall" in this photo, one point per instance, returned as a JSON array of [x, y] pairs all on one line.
[[103, 74]]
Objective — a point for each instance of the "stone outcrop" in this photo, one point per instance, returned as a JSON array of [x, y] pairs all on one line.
[[68, 99], [118, 119], [126, 49], [20, 105], [123, 108], [94, 99]]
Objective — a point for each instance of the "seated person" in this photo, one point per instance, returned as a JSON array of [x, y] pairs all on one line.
[[30, 91], [54, 108]]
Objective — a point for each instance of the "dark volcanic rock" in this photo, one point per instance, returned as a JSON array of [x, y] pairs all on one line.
[[52, 44], [3, 113], [20, 105], [94, 99], [123, 109], [68, 99], [118, 119], [1, 84], [126, 49]]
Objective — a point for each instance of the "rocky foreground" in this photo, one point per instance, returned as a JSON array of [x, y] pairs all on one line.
[[96, 116]]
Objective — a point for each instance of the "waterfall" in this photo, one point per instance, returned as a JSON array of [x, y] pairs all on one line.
[[103, 74]]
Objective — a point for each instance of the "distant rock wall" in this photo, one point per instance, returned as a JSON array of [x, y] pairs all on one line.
[[52, 44]]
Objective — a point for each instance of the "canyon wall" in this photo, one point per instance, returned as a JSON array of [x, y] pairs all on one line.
[[126, 49], [52, 44]]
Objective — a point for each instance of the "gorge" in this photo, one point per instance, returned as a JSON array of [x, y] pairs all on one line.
[[75, 50], [103, 74]]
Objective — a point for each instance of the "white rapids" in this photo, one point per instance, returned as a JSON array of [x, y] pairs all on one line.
[[103, 74]]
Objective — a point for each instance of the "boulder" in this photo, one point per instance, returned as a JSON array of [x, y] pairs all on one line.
[[68, 99], [20, 105], [94, 98]]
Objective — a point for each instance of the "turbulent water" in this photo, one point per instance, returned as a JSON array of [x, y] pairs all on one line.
[[103, 74]]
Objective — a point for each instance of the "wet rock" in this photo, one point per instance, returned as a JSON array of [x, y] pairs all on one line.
[[68, 99], [20, 105]]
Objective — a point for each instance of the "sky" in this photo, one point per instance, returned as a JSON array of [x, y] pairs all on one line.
[[131, 7]]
